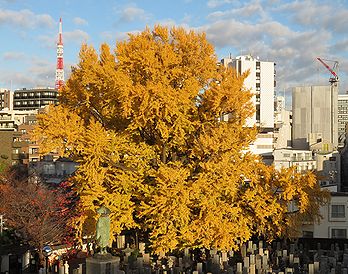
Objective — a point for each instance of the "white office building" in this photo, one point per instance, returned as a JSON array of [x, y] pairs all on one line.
[[261, 82]]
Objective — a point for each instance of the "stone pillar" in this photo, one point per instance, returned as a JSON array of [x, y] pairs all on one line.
[[66, 268], [239, 268], [311, 269], [102, 263]]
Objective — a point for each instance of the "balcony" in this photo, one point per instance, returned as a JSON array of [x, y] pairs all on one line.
[[17, 144], [5, 118], [16, 156], [20, 156]]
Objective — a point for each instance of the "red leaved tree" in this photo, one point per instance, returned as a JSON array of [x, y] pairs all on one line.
[[39, 214]]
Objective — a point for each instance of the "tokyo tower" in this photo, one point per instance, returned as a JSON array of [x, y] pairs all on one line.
[[60, 64]]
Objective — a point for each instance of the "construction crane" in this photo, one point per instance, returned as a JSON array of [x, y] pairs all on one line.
[[333, 100], [333, 80]]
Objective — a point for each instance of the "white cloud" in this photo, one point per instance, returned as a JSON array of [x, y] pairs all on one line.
[[244, 12], [40, 73], [294, 52], [217, 3], [107, 35], [340, 47], [8, 1], [18, 79], [25, 19], [330, 16], [133, 13], [291, 33], [77, 36], [80, 21], [186, 19], [121, 36], [48, 41], [13, 55]]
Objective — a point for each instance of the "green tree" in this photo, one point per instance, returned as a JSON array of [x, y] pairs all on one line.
[[143, 122]]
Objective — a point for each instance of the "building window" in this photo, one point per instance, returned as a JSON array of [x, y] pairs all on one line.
[[258, 113], [258, 98], [337, 211], [308, 156], [338, 233], [35, 150]]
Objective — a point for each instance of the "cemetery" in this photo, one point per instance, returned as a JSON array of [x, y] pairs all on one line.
[[254, 257]]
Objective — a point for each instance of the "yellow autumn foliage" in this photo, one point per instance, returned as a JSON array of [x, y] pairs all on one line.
[[144, 124]]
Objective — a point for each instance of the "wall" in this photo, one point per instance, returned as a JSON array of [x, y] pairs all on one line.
[[323, 230], [314, 111]]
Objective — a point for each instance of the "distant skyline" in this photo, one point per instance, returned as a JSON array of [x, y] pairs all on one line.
[[290, 33]]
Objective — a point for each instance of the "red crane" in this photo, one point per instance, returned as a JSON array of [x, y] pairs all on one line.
[[333, 80]]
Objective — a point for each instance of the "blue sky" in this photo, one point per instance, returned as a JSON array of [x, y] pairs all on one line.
[[290, 33]]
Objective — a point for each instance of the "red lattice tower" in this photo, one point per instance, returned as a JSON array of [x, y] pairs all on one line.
[[60, 63]]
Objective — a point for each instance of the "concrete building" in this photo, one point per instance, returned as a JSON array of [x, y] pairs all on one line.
[[6, 99], [30, 99], [264, 145], [261, 82], [11, 119], [334, 223], [302, 159], [329, 170], [326, 164], [282, 124], [342, 120], [344, 168], [10, 148], [51, 169], [29, 149], [314, 110]]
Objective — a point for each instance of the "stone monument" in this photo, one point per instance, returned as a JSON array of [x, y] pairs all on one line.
[[103, 262]]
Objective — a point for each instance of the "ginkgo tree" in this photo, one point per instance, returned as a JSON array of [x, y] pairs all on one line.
[[144, 123]]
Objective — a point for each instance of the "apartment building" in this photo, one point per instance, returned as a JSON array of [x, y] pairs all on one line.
[[10, 148], [29, 99], [334, 224], [342, 109], [261, 82], [5, 99]]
